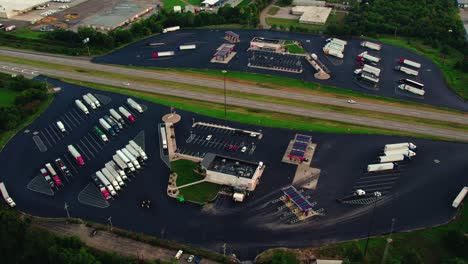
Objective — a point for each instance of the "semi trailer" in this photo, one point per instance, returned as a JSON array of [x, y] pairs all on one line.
[[187, 47], [112, 123], [371, 69], [100, 134], [411, 89], [106, 126], [127, 114], [54, 175], [95, 100], [408, 145], [117, 116], [367, 57], [61, 126], [162, 54], [333, 52], [100, 185], [342, 42], [119, 162], [460, 197], [131, 158], [368, 78], [135, 153], [407, 70], [114, 173], [163, 137], [371, 45], [119, 170], [139, 149], [381, 167], [403, 151], [81, 106], [169, 29], [134, 105], [78, 158], [47, 178], [412, 83], [410, 63], [126, 160], [89, 101], [6, 196], [111, 178], [393, 158], [106, 183]]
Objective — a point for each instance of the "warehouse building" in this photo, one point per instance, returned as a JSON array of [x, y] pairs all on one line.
[[311, 14], [10, 8], [210, 3], [240, 174], [308, 3], [259, 43]]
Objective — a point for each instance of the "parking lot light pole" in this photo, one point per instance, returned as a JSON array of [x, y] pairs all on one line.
[[225, 108], [110, 222], [66, 209], [376, 195]]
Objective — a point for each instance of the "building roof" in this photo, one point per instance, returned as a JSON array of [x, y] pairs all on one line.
[[210, 2], [13, 7], [312, 14], [229, 166], [308, 3], [232, 34], [266, 40]]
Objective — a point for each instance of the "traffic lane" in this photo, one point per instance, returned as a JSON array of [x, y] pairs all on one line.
[[244, 88]]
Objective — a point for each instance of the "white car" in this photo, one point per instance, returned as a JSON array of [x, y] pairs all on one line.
[[357, 71], [244, 148], [190, 258], [351, 102], [209, 137], [126, 83]]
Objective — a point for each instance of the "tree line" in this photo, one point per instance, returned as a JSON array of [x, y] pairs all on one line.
[[31, 95]]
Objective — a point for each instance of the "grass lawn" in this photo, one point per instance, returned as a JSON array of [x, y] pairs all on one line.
[[7, 97], [456, 79], [244, 3], [194, 2], [200, 193], [285, 22], [169, 4], [273, 10], [432, 245], [26, 32], [292, 47]]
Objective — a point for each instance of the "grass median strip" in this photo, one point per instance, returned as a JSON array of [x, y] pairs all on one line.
[[251, 116]]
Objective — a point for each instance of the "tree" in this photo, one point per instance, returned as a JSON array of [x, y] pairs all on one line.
[[284, 257]]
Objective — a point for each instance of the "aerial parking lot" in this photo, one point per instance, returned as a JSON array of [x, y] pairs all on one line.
[[436, 91], [418, 193]]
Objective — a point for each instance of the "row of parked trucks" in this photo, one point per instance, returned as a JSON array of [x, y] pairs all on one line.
[[51, 176], [172, 53], [335, 47], [392, 154], [110, 179], [90, 100]]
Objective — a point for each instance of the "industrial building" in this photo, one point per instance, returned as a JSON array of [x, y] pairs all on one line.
[[311, 14], [308, 3], [210, 3], [240, 174], [259, 43], [10, 8]]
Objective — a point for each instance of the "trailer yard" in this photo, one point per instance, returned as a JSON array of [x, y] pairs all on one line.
[[294, 66]]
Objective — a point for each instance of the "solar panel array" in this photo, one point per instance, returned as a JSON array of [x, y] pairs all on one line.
[[301, 142], [301, 202], [303, 138], [232, 34]]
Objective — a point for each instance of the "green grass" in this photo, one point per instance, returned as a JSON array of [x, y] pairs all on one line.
[[194, 2], [169, 4], [285, 22], [199, 193], [273, 10], [224, 26], [7, 96], [292, 47], [5, 136], [456, 79], [430, 243], [26, 32], [244, 3]]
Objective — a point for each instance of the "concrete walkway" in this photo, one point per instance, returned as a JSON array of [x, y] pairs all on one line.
[[264, 14]]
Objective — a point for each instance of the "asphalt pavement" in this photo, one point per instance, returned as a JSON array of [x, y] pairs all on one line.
[[418, 195]]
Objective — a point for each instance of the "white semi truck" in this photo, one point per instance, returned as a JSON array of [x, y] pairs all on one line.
[[114, 173], [407, 70], [367, 57], [460, 197], [117, 168], [111, 178], [81, 106], [410, 63], [371, 69], [95, 100], [106, 183], [169, 29], [371, 45], [6, 196], [393, 158], [134, 105], [127, 114], [117, 116], [139, 149], [131, 158], [135, 153], [402, 151], [126, 160], [76, 155], [89, 101], [381, 167], [411, 89], [408, 145]]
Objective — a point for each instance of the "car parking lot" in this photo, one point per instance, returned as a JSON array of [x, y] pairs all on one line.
[[277, 62], [415, 198], [437, 91]]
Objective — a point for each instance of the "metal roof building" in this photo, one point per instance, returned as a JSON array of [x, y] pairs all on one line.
[[312, 14], [10, 8]]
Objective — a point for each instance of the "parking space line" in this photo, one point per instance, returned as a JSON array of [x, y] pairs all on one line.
[[377, 184], [82, 151], [377, 180], [70, 163], [379, 176], [74, 118], [92, 145], [51, 137], [95, 141], [84, 145], [47, 140], [378, 188], [55, 133], [65, 123], [77, 113], [69, 119]]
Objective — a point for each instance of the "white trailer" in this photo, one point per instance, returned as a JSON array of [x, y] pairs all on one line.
[[169, 29], [410, 63], [408, 145], [371, 45], [131, 158], [369, 77], [111, 178], [412, 89], [122, 164], [459, 199], [95, 100], [407, 70], [89, 101], [333, 52], [139, 149], [135, 153], [371, 69], [187, 47], [342, 42], [114, 173], [367, 57], [106, 183], [6, 196], [127, 114], [120, 171], [78, 158], [163, 137], [117, 116], [134, 105], [126, 160], [381, 167], [61, 126], [393, 158], [336, 46], [403, 151], [81, 106], [106, 126]]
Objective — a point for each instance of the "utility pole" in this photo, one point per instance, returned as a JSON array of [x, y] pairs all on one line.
[[225, 107], [224, 249], [110, 222], [389, 240], [371, 221], [66, 210]]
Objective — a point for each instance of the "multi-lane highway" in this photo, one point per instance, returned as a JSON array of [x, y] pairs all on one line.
[[328, 115], [219, 84]]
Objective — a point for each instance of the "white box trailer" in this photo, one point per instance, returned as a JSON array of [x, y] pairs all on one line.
[[407, 70], [95, 100], [460, 197], [131, 158], [393, 158], [410, 63], [89, 101], [126, 160], [117, 116], [371, 69], [188, 47], [135, 153], [408, 145], [117, 168], [6, 196], [114, 173], [111, 178], [106, 183], [371, 45], [368, 57], [369, 77], [139, 149], [334, 53], [403, 151], [119, 162], [81, 106], [381, 167], [169, 29], [342, 42], [134, 105], [412, 89]]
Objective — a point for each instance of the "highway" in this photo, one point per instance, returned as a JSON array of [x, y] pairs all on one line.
[[327, 115], [82, 62]]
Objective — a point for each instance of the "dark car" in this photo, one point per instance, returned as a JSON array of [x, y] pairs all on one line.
[[93, 233]]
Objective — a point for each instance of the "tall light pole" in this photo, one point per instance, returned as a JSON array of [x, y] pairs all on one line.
[[371, 221], [225, 107], [66, 210], [389, 240], [110, 222]]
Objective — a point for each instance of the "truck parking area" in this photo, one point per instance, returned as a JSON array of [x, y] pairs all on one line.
[[341, 70], [412, 194]]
